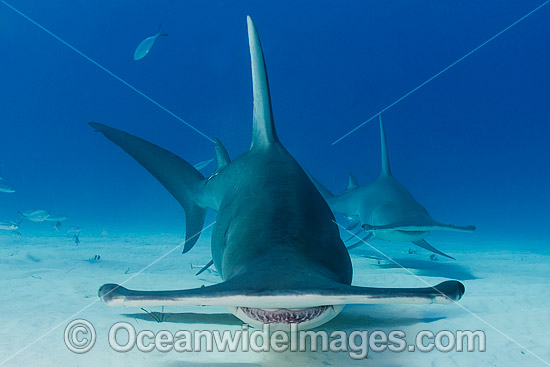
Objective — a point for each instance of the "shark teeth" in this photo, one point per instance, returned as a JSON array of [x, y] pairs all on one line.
[[284, 315]]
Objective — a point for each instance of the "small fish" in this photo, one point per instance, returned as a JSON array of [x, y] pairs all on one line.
[[35, 215], [56, 218], [76, 239], [202, 164], [9, 226], [145, 46], [6, 189]]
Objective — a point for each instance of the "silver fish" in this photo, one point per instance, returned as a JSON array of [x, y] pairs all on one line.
[[56, 218], [35, 215], [145, 46], [9, 226], [6, 189]]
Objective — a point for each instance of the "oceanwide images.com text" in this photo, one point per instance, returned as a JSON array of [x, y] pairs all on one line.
[[80, 337]]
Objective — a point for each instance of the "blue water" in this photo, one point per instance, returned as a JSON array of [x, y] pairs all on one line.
[[471, 146]]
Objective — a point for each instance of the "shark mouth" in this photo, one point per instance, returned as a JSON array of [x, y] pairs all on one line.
[[284, 315]]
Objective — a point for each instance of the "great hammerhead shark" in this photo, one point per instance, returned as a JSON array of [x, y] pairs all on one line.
[[274, 242], [385, 209]]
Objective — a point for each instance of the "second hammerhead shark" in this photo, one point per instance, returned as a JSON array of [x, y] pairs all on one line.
[[385, 209]]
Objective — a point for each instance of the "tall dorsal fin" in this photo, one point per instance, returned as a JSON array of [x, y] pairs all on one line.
[[384, 150], [222, 157], [263, 130], [352, 182]]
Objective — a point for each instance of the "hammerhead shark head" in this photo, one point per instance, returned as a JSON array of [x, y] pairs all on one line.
[[385, 209], [275, 242]]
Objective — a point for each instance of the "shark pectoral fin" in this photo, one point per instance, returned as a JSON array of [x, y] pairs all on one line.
[[194, 221], [229, 294], [360, 242], [204, 268], [427, 246], [179, 177]]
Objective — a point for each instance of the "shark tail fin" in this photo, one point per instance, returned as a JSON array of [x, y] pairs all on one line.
[[158, 31], [384, 150], [263, 128], [180, 178]]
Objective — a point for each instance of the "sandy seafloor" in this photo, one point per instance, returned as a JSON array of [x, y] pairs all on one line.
[[46, 280]]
